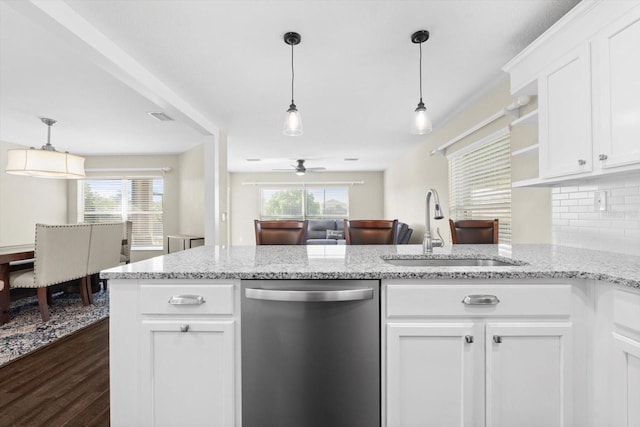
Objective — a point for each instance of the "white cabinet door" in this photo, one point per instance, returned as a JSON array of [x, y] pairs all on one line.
[[430, 374], [618, 91], [626, 381], [564, 109], [187, 373], [529, 374]]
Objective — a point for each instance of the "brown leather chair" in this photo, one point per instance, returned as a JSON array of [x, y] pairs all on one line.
[[474, 231], [371, 232], [280, 232]]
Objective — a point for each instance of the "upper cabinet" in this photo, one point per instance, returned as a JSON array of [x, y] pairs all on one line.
[[585, 71]]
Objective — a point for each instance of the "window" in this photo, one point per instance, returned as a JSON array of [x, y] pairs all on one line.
[[305, 202], [480, 183], [136, 199]]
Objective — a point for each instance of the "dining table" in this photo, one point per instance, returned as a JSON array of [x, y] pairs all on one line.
[[9, 254]]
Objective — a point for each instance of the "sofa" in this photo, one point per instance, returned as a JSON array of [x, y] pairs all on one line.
[[331, 232]]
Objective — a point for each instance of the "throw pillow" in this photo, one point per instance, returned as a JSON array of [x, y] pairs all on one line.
[[335, 234]]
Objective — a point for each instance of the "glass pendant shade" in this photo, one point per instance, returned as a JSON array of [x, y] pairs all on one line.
[[421, 121], [292, 122], [44, 164]]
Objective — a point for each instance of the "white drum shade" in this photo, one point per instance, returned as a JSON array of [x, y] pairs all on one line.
[[45, 164]]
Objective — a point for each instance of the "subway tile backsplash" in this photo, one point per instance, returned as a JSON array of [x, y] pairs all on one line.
[[577, 220]]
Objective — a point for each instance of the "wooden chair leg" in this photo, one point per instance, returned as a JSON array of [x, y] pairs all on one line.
[[104, 284], [49, 296], [85, 291], [42, 304]]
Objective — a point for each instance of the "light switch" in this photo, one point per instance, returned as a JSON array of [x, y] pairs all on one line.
[[600, 200]]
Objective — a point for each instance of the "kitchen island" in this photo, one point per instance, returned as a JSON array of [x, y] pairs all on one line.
[[564, 333]]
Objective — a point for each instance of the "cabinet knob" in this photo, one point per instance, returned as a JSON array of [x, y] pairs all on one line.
[[582, 162], [468, 339], [497, 339], [603, 157], [184, 328]]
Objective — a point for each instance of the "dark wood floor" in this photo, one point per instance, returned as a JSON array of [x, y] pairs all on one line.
[[63, 384]]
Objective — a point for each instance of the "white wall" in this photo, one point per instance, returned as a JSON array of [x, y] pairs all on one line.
[[365, 201], [407, 180], [25, 201], [191, 192], [577, 222]]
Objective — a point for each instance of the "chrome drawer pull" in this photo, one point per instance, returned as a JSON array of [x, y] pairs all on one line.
[[480, 300], [468, 339], [497, 339], [184, 328], [186, 300]]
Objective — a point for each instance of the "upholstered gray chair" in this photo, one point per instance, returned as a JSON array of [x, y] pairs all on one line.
[[61, 254], [104, 250], [125, 251]]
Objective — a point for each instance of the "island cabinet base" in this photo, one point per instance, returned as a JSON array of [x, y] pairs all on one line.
[[174, 351], [479, 352]]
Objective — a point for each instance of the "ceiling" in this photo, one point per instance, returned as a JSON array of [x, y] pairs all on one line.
[[98, 66]]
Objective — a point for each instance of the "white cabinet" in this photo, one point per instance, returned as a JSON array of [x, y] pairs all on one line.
[[529, 374], [431, 374], [617, 91], [564, 105], [626, 359], [187, 375], [174, 352], [584, 70], [505, 363]]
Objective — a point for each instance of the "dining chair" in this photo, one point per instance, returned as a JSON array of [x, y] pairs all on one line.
[[61, 255], [280, 232], [474, 231], [371, 232], [125, 251], [104, 251]]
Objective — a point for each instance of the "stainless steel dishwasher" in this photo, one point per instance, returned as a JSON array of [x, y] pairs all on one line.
[[310, 353]]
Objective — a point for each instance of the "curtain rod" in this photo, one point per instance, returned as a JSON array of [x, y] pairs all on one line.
[[305, 183], [512, 109]]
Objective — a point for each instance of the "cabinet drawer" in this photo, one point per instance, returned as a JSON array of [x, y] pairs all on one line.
[[626, 309], [447, 300], [215, 299]]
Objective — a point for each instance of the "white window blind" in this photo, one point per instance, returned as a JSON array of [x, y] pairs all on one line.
[[480, 184], [139, 200]]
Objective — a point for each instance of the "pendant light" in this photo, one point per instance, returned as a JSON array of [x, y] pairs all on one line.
[[421, 121], [45, 162], [292, 121]]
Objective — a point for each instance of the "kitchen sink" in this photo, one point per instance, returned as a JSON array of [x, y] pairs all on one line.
[[449, 262]]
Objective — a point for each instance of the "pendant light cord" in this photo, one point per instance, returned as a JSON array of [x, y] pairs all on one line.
[[420, 45], [292, 73]]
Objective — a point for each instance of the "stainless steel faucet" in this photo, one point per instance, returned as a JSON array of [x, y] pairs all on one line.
[[428, 243]]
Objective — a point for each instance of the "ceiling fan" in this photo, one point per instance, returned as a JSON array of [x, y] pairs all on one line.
[[300, 168]]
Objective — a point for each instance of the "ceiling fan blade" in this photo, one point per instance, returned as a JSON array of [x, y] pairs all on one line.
[[317, 169]]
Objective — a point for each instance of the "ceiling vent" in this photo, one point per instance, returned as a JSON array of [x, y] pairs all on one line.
[[160, 116]]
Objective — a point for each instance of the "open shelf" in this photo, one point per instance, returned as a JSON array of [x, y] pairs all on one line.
[[528, 149], [531, 118]]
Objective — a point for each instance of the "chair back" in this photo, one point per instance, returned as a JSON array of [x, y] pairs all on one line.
[[61, 253], [280, 232], [105, 246], [474, 231], [125, 250], [371, 232]]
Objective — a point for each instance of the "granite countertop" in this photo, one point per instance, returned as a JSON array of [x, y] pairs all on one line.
[[366, 262]]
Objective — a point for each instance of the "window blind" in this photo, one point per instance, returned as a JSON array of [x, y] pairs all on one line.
[[480, 184], [139, 200]]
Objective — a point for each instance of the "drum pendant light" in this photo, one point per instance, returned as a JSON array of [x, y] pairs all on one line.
[[421, 122], [45, 162], [292, 121]]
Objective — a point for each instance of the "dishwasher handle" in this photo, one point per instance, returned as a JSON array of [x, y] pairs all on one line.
[[309, 296]]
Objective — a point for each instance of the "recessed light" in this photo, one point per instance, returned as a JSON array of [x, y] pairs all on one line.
[[253, 160], [159, 115], [351, 159]]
